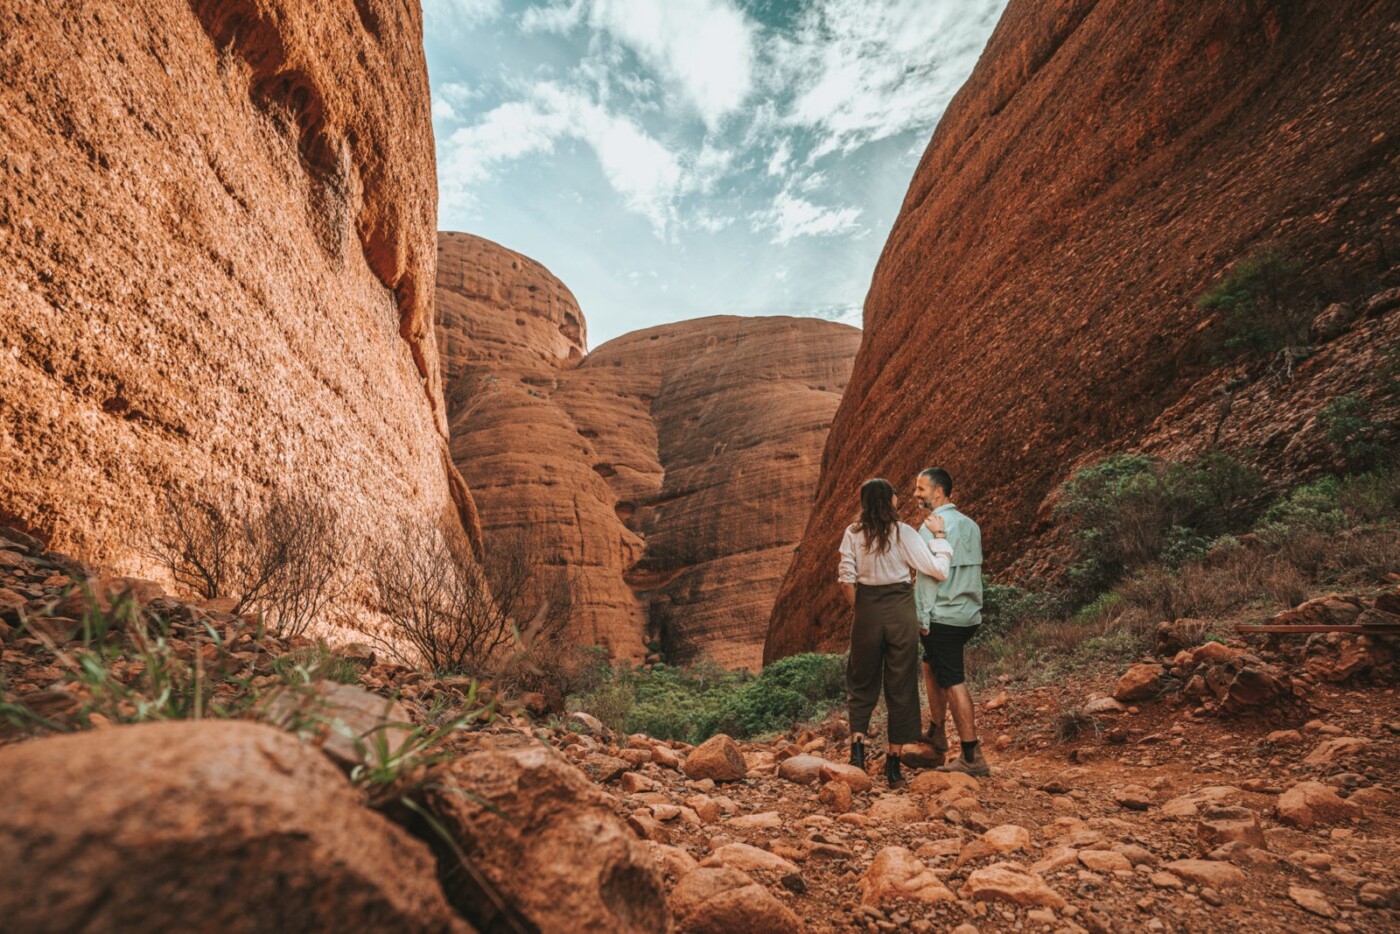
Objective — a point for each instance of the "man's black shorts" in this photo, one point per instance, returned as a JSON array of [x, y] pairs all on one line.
[[943, 651]]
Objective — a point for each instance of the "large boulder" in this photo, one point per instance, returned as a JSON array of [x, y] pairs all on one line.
[[720, 900], [543, 846], [1309, 803], [202, 825], [353, 726], [1138, 683], [718, 759], [896, 873]]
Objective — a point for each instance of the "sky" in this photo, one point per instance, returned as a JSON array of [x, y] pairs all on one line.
[[668, 159]]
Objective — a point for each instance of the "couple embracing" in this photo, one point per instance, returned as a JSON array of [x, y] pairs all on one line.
[[941, 609]]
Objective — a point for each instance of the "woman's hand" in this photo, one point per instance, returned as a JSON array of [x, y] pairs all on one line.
[[934, 523], [849, 591]]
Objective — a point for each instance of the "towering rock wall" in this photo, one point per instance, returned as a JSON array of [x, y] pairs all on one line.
[[669, 470], [1036, 300], [217, 256]]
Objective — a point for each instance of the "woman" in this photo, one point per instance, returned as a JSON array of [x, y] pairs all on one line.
[[878, 552]]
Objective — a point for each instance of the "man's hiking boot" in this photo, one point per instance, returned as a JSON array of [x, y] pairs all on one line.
[[892, 773], [937, 736], [858, 753], [978, 766]]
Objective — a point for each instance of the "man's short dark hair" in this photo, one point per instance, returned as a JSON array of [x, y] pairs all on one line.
[[939, 478]]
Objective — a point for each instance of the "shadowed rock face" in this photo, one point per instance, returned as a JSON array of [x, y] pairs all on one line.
[[669, 469], [217, 226], [1036, 299]]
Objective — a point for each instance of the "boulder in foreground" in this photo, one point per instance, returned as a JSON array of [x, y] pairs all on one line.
[[544, 846], [202, 825], [720, 900]]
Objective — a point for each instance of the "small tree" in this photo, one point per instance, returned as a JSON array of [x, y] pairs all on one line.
[[460, 615], [281, 558], [1258, 314]]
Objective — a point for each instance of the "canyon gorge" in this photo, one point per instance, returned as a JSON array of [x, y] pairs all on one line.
[[668, 471], [222, 276]]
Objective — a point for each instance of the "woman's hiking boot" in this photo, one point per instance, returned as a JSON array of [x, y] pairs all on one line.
[[858, 753], [892, 773]]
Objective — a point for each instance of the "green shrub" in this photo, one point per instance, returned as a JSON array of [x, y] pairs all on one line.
[[1371, 497], [1360, 443], [1257, 314], [1131, 510], [1006, 607], [695, 702], [791, 690], [1098, 611], [1314, 507]]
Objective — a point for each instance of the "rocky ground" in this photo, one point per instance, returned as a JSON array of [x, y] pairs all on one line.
[[1213, 787]]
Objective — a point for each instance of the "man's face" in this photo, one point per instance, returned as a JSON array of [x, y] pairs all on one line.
[[929, 493]]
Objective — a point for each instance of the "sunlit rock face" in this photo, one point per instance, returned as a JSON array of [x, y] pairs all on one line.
[[668, 471], [217, 255], [1036, 301]]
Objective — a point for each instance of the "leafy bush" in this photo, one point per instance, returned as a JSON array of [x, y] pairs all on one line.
[[1312, 507], [792, 689], [1371, 497], [1006, 607], [1257, 316], [1130, 510], [693, 703], [1360, 443]]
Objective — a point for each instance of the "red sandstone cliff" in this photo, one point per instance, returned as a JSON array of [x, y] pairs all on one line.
[[217, 252], [670, 468], [1036, 299]]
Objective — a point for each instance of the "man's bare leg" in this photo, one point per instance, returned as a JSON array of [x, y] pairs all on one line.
[[959, 699]]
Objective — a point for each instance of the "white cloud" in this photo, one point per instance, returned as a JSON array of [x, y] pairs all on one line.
[[456, 16], [649, 177], [442, 110], [790, 217], [703, 48], [782, 155], [864, 70], [710, 222], [559, 17]]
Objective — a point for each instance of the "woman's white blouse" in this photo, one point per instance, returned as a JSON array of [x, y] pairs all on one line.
[[907, 551]]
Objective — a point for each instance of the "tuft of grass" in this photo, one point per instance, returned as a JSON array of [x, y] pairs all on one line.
[[1073, 723], [315, 663], [388, 770]]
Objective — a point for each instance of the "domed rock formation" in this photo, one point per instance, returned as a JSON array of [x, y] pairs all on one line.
[[217, 226], [1036, 301], [668, 471]]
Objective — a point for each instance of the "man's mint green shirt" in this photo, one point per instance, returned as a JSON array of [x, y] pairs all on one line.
[[956, 601]]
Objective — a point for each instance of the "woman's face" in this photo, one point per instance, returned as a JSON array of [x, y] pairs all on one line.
[[895, 501]]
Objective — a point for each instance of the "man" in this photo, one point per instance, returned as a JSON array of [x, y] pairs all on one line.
[[949, 613]]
